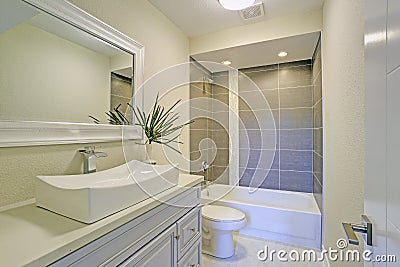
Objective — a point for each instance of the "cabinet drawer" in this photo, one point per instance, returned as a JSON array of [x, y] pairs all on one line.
[[192, 257], [189, 229]]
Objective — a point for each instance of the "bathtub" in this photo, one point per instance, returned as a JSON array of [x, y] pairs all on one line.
[[283, 216]]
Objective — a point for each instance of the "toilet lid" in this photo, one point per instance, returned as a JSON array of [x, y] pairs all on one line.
[[222, 213]]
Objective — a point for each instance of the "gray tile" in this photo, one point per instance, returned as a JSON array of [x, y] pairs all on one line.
[[272, 97], [264, 79], [252, 158], [224, 98], [260, 99], [222, 157], [318, 140], [222, 118], [258, 139], [219, 89], [259, 178], [246, 175], [318, 115], [121, 88], [243, 105], [267, 119], [318, 167], [202, 103], [317, 190], [294, 64], [295, 76], [198, 90], [296, 139], [296, 97], [296, 118], [199, 124], [296, 181], [295, 160], [317, 93], [195, 137], [249, 119], [218, 173], [221, 79], [272, 180], [221, 138]]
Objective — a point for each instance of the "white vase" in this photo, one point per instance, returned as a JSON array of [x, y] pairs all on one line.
[[149, 154]]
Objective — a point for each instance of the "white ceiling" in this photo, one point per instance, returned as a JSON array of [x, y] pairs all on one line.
[[198, 17], [298, 47]]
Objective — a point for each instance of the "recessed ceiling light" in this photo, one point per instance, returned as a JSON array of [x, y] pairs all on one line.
[[226, 62], [236, 4], [282, 54]]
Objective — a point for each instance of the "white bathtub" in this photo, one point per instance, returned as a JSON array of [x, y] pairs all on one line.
[[283, 216]]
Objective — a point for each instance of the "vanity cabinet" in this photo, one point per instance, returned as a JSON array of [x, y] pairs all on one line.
[[168, 235]]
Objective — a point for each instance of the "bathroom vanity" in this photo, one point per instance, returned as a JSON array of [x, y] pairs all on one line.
[[155, 232]]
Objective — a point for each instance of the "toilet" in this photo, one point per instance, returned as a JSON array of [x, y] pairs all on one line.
[[219, 222]]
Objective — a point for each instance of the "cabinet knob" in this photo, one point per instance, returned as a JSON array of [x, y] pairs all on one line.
[[193, 230]]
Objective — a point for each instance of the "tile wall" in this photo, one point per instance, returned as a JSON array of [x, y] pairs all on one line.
[[288, 89]]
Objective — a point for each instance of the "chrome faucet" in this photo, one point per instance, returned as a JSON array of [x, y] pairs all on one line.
[[205, 167], [89, 158]]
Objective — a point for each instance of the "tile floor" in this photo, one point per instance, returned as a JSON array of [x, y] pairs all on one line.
[[246, 255]]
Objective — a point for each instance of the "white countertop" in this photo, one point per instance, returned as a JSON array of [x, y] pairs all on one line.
[[32, 236]]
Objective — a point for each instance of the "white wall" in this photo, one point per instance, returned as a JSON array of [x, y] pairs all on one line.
[[34, 85], [274, 28], [165, 45], [343, 102]]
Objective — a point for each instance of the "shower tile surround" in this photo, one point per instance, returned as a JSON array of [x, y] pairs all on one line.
[[209, 123], [288, 89], [293, 91]]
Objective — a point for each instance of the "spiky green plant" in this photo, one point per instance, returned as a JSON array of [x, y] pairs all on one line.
[[159, 124], [115, 117]]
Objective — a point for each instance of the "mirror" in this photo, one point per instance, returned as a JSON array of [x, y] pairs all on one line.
[[60, 64], [53, 71]]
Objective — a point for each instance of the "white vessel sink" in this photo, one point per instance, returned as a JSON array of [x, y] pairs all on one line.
[[91, 197]]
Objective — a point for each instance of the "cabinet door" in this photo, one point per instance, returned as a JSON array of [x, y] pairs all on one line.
[[189, 230], [159, 252]]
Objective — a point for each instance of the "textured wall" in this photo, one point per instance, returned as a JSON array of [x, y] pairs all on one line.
[[287, 88], [343, 103]]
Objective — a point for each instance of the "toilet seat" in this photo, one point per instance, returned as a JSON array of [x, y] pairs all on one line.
[[222, 214]]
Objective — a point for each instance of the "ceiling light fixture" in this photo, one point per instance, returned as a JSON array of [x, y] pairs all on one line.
[[282, 54], [236, 4], [226, 62]]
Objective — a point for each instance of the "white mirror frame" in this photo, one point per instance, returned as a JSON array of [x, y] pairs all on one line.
[[31, 133]]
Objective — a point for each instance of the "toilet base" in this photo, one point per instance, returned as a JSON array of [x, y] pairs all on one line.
[[219, 244]]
